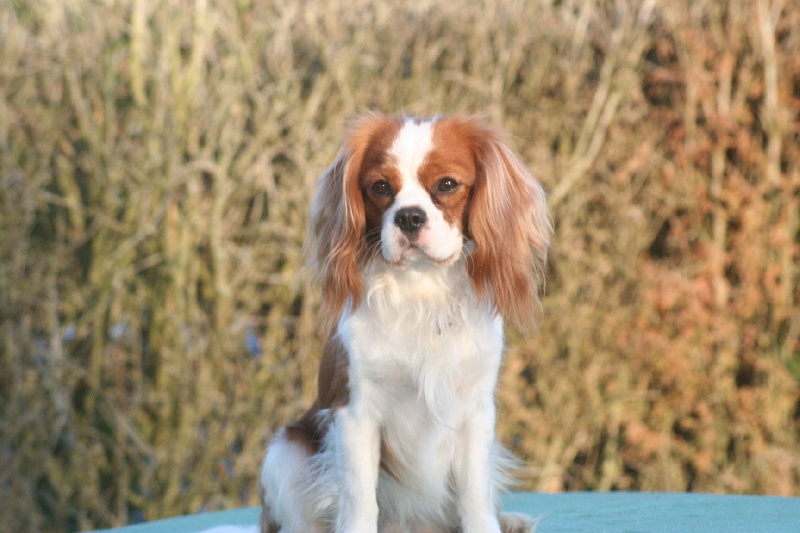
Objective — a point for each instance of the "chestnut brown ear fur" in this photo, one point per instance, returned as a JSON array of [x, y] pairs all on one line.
[[509, 224], [337, 225]]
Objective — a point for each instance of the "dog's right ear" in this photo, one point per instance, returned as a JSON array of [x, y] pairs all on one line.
[[337, 226], [335, 231]]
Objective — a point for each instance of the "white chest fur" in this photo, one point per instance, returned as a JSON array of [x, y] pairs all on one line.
[[424, 357], [420, 335]]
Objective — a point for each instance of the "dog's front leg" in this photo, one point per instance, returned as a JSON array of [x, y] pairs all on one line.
[[357, 441], [476, 498]]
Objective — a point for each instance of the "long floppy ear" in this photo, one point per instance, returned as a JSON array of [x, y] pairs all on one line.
[[334, 235], [337, 223], [509, 223]]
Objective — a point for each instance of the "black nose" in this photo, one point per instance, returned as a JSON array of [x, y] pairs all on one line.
[[410, 220]]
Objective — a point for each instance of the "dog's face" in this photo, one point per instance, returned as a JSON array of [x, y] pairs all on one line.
[[416, 194], [422, 192]]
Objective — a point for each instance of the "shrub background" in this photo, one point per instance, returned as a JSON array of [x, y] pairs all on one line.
[[156, 163]]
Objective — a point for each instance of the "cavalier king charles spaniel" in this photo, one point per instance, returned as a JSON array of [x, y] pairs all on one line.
[[425, 233]]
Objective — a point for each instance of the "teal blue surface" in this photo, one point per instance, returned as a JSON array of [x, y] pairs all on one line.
[[588, 512]]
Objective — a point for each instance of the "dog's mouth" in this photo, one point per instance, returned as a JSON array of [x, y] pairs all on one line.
[[412, 254]]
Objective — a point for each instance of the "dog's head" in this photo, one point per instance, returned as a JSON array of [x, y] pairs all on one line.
[[427, 192]]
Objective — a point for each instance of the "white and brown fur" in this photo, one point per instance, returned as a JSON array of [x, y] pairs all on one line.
[[423, 233]]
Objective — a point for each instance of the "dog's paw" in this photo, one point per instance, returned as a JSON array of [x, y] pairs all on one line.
[[517, 523]]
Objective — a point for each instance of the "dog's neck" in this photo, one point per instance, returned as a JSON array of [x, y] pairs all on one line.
[[421, 296]]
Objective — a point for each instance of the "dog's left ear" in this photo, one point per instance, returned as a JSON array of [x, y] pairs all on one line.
[[510, 226]]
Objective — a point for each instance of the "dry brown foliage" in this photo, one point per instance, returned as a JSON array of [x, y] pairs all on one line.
[[156, 163]]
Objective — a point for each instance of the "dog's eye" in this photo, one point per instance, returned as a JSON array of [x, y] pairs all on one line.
[[446, 184], [381, 188]]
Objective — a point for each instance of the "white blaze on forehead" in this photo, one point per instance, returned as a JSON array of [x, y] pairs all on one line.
[[437, 240], [409, 149]]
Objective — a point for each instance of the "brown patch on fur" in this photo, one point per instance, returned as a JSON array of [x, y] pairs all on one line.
[[332, 393], [453, 156], [309, 430]]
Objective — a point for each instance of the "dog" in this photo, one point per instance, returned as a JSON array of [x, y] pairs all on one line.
[[424, 234]]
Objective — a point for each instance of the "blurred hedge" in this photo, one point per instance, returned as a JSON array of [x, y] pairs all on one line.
[[156, 162]]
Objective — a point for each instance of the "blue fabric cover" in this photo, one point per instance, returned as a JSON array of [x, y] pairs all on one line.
[[586, 512]]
